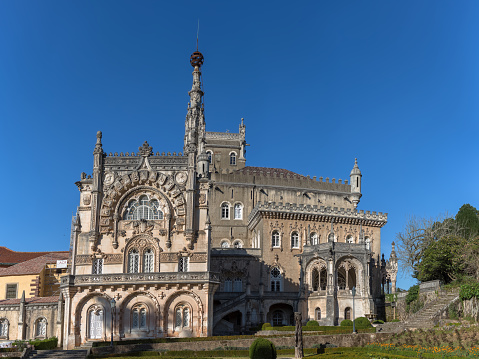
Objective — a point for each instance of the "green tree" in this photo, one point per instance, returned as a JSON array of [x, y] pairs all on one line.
[[468, 220]]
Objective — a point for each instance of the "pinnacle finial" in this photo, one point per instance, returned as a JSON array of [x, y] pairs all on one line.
[[196, 59], [98, 137]]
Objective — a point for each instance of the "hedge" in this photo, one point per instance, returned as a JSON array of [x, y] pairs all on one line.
[[362, 323], [45, 344], [312, 323], [265, 326], [262, 349]]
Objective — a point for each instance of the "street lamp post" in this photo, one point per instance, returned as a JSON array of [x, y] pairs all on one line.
[[354, 324], [113, 307]]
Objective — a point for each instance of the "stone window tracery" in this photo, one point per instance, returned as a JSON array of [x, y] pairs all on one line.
[[276, 279], [228, 285], [294, 240], [314, 238], [315, 279], [237, 244], [97, 266], [4, 328], [233, 158], [237, 285], [41, 327], [143, 208], [277, 318], [133, 261], [349, 239], [138, 318], [225, 244], [182, 317], [148, 261], [183, 264]]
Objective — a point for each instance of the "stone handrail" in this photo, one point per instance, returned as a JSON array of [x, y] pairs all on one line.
[[136, 278]]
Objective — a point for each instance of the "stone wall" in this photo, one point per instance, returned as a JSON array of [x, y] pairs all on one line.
[[343, 340]]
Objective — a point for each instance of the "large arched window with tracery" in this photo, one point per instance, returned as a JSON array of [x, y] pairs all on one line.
[[143, 208], [148, 261], [4, 328], [315, 279], [275, 279], [182, 317], [41, 327], [138, 318]]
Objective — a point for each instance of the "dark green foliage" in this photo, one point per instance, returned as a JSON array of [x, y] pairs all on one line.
[[468, 221], [362, 323], [262, 349], [265, 326], [312, 323], [346, 323], [45, 344], [412, 294], [469, 291], [379, 321]]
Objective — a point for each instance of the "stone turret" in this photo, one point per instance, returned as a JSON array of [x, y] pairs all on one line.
[[355, 180]]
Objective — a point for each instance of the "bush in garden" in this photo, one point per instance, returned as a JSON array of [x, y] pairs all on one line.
[[262, 349], [362, 323], [265, 326], [312, 323], [346, 323]]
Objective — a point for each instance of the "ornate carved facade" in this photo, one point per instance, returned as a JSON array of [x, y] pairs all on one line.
[[196, 243]]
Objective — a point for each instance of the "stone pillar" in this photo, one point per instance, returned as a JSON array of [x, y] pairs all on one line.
[[21, 319], [298, 345]]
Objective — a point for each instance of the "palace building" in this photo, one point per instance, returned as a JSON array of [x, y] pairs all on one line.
[[198, 243]]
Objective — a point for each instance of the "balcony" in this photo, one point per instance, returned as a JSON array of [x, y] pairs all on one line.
[[140, 278]]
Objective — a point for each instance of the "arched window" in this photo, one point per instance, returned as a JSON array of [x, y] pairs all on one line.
[[225, 211], [349, 239], [277, 318], [228, 287], [133, 261], [182, 317], [237, 285], [315, 280], [238, 244], [210, 156], [294, 240], [323, 279], [4, 328], [341, 278], [225, 244], [351, 278], [347, 313], [41, 327], [276, 279], [275, 239], [317, 314], [233, 158], [314, 238], [143, 208], [148, 261], [138, 318], [95, 322], [238, 211], [97, 266]]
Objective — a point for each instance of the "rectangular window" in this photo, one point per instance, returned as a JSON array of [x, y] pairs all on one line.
[[11, 291], [98, 266], [183, 264]]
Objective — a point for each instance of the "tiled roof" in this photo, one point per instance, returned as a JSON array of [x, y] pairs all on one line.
[[33, 266], [9, 257], [266, 171], [33, 300]]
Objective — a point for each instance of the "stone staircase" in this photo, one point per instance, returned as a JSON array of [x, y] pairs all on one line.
[[222, 309], [425, 318], [58, 354]]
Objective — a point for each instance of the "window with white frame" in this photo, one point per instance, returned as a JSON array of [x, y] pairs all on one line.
[[183, 264], [225, 211], [4, 328], [228, 285], [237, 285], [41, 327], [314, 239], [138, 318], [294, 240], [148, 261], [275, 279], [97, 266], [143, 208], [238, 211], [133, 261], [275, 239], [233, 158], [349, 239], [11, 291], [367, 240]]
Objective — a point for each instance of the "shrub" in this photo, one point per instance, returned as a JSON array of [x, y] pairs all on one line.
[[346, 323], [379, 321], [468, 291], [412, 294], [362, 323], [262, 349], [45, 344], [265, 326], [312, 323]]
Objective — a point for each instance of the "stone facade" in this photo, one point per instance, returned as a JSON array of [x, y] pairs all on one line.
[[196, 243]]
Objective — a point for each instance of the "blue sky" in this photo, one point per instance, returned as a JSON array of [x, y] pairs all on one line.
[[393, 83]]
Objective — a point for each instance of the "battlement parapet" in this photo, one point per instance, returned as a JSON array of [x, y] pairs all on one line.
[[223, 136]]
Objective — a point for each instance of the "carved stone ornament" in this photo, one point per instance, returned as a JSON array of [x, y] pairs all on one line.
[[181, 178], [86, 199], [109, 178], [202, 199], [145, 149]]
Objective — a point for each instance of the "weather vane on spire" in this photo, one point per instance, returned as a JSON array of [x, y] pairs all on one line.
[[196, 59], [197, 34]]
